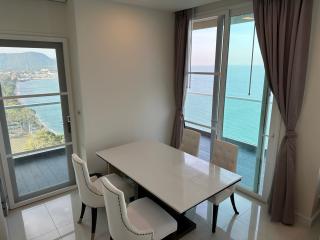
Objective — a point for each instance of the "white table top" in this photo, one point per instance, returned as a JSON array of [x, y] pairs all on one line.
[[180, 180]]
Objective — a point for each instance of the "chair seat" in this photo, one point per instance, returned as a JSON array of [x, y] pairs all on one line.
[[220, 197], [144, 214], [125, 186]]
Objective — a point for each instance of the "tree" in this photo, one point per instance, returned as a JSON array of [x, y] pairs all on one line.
[[42, 139]]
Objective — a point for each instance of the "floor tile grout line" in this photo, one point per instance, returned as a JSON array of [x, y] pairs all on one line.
[[55, 225], [39, 206], [43, 235]]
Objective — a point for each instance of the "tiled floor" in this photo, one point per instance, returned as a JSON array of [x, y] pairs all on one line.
[[56, 219]]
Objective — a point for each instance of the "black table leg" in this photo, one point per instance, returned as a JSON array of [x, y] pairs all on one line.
[[214, 217]]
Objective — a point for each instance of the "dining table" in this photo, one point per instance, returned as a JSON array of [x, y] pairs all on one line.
[[175, 180]]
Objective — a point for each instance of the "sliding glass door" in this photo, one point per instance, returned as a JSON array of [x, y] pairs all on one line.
[[227, 95], [245, 99], [203, 80], [34, 114]]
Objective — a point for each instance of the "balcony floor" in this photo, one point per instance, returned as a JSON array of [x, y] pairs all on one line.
[[246, 164], [35, 173]]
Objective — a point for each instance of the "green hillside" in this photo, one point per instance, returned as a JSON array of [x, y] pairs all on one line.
[[25, 61]]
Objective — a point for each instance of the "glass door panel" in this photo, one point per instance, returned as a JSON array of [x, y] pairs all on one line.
[[34, 116], [199, 100], [198, 103], [245, 99]]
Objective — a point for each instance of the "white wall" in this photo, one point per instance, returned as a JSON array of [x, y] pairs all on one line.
[[33, 17], [75, 76], [308, 129], [125, 57]]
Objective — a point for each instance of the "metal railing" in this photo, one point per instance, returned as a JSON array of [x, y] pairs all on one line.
[[202, 125], [30, 105], [227, 97]]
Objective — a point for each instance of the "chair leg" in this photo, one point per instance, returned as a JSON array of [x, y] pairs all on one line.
[[111, 238], [93, 222], [83, 209], [233, 204], [214, 217]]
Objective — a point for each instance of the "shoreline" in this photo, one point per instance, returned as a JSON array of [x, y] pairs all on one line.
[[42, 120]]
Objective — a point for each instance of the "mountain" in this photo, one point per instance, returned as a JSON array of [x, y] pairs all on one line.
[[26, 61]]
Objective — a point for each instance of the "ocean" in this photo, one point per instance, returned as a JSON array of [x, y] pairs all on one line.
[[241, 113], [242, 104], [49, 115]]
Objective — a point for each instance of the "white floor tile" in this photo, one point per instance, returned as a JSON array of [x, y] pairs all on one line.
[[36, 221], [61, 210], [54, 235], [56, 219]]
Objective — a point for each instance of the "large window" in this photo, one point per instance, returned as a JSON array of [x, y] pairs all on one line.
[[227, 96]]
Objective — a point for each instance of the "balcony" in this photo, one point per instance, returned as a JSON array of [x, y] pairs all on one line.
[[40, 171], [241, 125]]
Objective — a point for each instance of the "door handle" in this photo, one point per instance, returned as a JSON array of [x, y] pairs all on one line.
[[69, 123]]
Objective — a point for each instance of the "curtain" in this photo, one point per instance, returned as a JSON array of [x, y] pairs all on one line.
[[182, 23], [283, 30]]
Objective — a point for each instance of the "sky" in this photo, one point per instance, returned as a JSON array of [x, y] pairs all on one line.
[[240, 48], [51, 53], [203, 46]]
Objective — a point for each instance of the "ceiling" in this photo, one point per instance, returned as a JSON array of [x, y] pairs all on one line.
[[169, 5]]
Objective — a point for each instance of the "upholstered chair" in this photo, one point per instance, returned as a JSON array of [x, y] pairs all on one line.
[[225, 156], [90, 189], [141, 220], [190, 142]]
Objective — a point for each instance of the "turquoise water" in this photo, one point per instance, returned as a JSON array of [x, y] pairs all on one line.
[[242, 105], [241, 118], [49, 115]]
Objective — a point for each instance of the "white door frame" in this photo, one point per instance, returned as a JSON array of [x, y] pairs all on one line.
[[4, 163]]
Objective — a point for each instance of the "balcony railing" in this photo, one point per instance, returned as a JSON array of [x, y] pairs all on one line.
[[227, 97], [204, 124]]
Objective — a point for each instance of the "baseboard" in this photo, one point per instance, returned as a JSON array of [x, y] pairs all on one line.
[[307, 221], [315, 216], [303, 220]]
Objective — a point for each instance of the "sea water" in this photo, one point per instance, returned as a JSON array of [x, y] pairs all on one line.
[[242, 108], [49, 115], [243, 101]]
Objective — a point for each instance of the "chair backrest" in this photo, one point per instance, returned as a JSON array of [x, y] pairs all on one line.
[[118, 222], [190, 142], [225, 155], [88, 192]]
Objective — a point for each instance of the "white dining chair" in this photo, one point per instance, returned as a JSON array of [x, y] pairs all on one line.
[[225, 156], [90, 189], [141, 220], [190, 142]]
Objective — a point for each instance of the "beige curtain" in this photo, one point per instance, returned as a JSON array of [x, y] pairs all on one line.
[[182, 23], [283, 29]]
